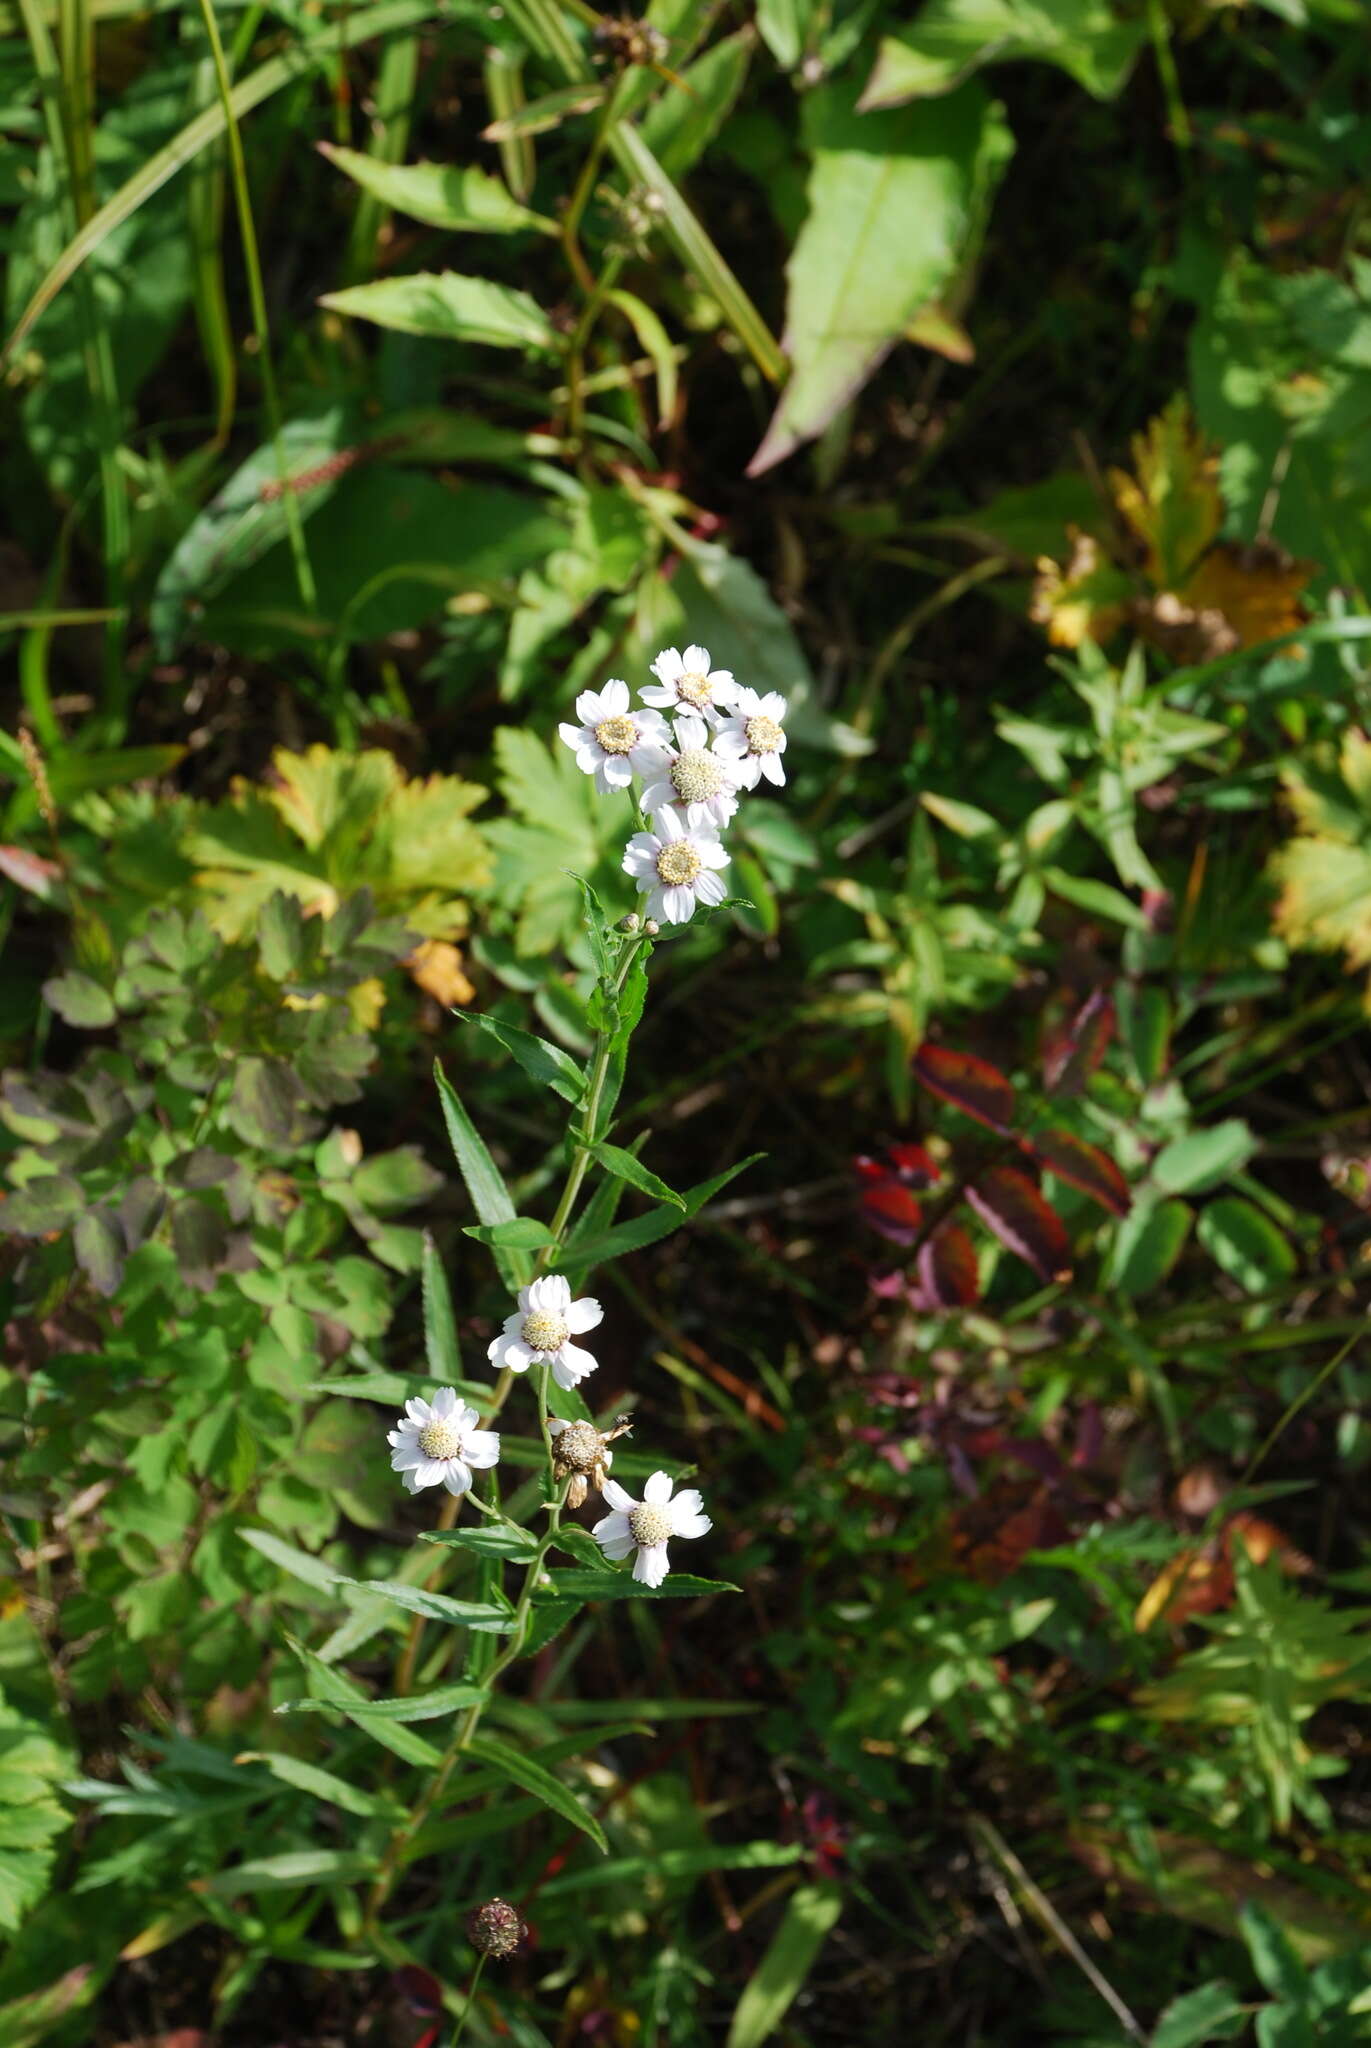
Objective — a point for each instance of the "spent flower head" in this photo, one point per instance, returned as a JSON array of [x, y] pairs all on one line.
[[581, 1454], [644, 1527], [495, 1929], [675, 869], [439, 1443], [541, 1329], [686, 682]]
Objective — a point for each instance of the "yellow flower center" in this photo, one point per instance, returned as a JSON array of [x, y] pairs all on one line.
[[617, 735], [678, 863], [763, 735], [695, 688], [543, 1330], [440, 1439], [696, 775], [649, 1525]]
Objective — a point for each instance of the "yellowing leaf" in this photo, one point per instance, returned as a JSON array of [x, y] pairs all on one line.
[[1256, 589], [436, 967], [1324, 873], [1172, 502], [1086, 600]]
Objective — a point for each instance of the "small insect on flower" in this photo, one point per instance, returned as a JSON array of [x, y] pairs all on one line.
[[692, 777], [542, 1328], [686, 682], [675, 869], [581, 1454], [612, 742], [645, 1526], [754, 737], [439, 1443]]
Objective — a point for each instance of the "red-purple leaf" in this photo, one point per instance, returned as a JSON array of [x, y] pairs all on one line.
[[971, 1085], [1072, 1053], [915, 1167], [1085, 1167], [891, 1209], [1008, 1203], [949, 1271]]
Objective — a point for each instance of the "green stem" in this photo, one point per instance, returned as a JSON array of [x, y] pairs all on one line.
[[461, 2025], [585, 1146], [304, 574]]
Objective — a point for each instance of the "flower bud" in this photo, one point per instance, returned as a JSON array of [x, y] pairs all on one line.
[[631, 922], [495, 1929], [651, 927]]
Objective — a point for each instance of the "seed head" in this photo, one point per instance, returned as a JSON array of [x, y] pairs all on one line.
[[495, 1929]]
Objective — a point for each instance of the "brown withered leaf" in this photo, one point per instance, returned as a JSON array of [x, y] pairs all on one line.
[[1202, 1581]]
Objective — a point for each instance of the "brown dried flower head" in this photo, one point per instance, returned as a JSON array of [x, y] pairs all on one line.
[[495, 1929], [581, 1454]]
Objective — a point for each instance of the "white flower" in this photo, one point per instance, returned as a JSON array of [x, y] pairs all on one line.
[[440, 1443], [645, 1525], [692, 777], [546, 1320], [675, 869], [753, 737], [611, 741], [687, 681]]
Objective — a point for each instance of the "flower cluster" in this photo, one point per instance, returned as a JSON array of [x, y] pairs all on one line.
[[439, 1443], [722, 741]]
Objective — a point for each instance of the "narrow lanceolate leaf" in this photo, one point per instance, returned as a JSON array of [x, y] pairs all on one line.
[[539, 115], [542, 1061], [970, 1084], [892, 200], [950, 38], [465, 199], [448, 307], [655, 1223], [949, 1271], [1084, 1166], [809, 1914], [324, 1786], [520, 1234], [425, 1706], [626, 1167], [333, 1688], [436, 1606], [1009, 1204], [523, 1771], [441, 1348], [489, 1195], [289, 1872], [503, 1540], [588, 1585]]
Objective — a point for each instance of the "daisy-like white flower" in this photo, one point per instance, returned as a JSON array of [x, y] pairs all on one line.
[[686, 682], [438, 1443], [692, 777], [646, 1525], [611, 741], [675, 868], [754, 737], [541, 1330]]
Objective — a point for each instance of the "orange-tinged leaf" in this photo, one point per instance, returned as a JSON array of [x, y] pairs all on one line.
[[436, 968], [1087, 599], [949, 1271], [1009, 1204], [1084, 1166], [1193, 1583], [970, 1084], [1256, 588], [1172, 499]]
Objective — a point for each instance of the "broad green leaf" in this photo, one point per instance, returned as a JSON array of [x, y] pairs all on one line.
[[1245, 1243], [543, 1062], [464, 199], [893, 197], [79, 1000], [1273, 1956], [428, 1706], [1147, 1244], [951, 38], [622, 1585], [1202, 1159], [810, 1912], [1210, 2014], [522, 1770], [448, 307], [489, 1195], [290, 1871], [474, 1614], [625, 1166]]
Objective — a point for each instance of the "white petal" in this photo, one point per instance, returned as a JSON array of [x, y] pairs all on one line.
[[770, 765], [410, 1483], [571, 1365], [589, 758], [748, 702], [556, 1293], [590, 707], [650, 1565], [583, 1315], [655, 799], [690, 1525], [510, 1353], [696, 657], [445, 1403], [710, 889], [418, 1410], [617, 771], [711, 851], [617, 1548], [610, 1527], [691, 731], [724, 688], [614, 697], [619, 1497], [774, 706], [570, 735], [668, 666], [660, 694], [688, 1502], [430, 1473], [679, 905], [467, 1418], [481, 1448], [657, 1492], [749, 770], [669, 825], [457, 1479], [555, 1426], [730, 745], [656, 906], [407, 1459], [640, 855]]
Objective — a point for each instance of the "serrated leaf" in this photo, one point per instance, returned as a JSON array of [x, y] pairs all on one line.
[[542, 1061], [503, 1540], [484, 1182], [335, 1689], [463, 199], [79, 1000], [621, 1585], [625, 1166], [521, 1770], [591, 1251], [448, 307], [441, 1348], [520, 1234], [1211, 2013], [447, 1699], [951, 38], [474, 1614]]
